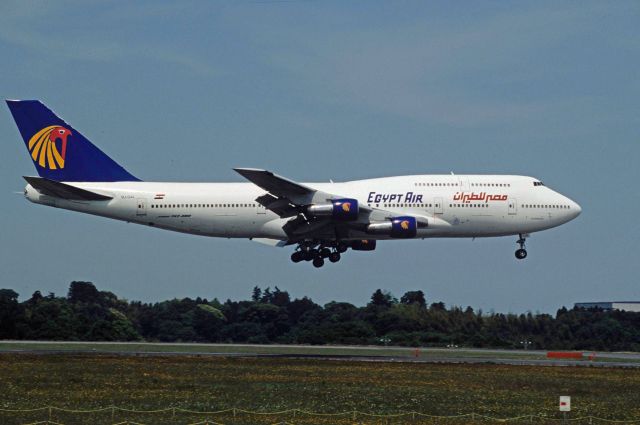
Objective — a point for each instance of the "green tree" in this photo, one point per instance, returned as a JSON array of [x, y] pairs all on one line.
[[84, 292], [381, 299], [256, 295], [11, 314], [414, 297]]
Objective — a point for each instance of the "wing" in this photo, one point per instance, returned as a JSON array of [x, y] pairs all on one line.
[[273, 183], [284, 196], [288, 198]]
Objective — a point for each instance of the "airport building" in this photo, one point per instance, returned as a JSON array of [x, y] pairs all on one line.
[[611, 305]]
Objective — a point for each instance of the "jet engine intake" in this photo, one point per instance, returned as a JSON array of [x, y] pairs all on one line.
[[339, 209], [398, 227]]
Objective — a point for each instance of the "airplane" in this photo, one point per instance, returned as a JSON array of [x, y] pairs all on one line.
[[322, 220]]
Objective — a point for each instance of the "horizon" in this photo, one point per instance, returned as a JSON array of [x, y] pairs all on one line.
[[23, 298]]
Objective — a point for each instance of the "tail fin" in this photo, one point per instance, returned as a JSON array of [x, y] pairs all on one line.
[[59, 151]]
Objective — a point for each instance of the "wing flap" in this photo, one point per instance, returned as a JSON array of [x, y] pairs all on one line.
[[270, 242], [63, 190], [280, 206]]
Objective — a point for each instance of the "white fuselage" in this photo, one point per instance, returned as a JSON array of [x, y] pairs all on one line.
[[453, 205]]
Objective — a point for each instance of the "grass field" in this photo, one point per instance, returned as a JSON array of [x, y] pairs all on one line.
[[271, 384]]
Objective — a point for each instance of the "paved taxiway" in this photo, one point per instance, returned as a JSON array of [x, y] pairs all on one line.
[[330, 353]]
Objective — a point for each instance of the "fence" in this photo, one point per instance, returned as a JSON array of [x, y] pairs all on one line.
[[113, 415]]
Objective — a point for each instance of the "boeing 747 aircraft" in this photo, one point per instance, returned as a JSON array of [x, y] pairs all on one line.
[[322, 220]]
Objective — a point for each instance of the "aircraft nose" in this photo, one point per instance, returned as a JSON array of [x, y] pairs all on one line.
[[575, 209]]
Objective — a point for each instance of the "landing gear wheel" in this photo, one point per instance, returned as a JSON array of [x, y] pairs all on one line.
[[334, 257], [308, 255], [521, 254], [297, 256], [325, 252], [318, 262], [342, 247]]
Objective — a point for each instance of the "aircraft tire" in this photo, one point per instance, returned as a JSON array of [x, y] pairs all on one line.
[[318, 262], [521, 254]]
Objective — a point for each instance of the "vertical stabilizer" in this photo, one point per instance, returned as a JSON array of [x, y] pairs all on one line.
[[59, 152]]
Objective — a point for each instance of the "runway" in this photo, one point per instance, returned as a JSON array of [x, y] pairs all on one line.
[[328, 353]]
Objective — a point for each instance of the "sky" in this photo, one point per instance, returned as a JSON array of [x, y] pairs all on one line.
[[342, 90]]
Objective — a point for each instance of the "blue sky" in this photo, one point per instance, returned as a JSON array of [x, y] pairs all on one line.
[[319, 90]]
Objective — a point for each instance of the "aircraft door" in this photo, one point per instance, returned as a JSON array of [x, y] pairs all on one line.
[[141, 207], [513, 206], [438, 206], [464, 183]]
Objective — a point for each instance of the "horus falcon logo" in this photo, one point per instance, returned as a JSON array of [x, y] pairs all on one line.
[[44, 150], [404, 224], [346, 207]]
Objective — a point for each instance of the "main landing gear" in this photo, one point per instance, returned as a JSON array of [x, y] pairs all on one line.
[[317, 255], [521, 253]]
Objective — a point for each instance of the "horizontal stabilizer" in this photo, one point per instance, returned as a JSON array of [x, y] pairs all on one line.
[[64, 191]]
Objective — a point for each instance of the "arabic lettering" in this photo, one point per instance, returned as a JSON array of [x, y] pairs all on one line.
[[482, 196]]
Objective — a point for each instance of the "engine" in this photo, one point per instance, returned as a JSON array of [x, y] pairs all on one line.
[[398, 227], [363, 245], [339, 209]]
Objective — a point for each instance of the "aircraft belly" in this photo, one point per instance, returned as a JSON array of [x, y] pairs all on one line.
[[235, 226]]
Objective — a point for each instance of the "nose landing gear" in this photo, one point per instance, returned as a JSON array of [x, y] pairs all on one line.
[[521, 253]]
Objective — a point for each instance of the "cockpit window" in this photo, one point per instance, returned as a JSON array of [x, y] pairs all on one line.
[[538, 184]]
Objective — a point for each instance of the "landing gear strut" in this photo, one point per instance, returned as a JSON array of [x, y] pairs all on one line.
[[521, 253], [310, 251]]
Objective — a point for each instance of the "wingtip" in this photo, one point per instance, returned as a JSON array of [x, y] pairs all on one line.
[[239, 169], [248, 171]]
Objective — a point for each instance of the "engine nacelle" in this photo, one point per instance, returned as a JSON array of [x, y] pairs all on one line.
[[404, 227], [363, 245], [398, 227], [339, 209]]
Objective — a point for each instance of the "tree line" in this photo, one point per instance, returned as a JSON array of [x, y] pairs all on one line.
[[271, 316]]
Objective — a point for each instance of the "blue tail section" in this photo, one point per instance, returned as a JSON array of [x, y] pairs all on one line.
[[58, 150]]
